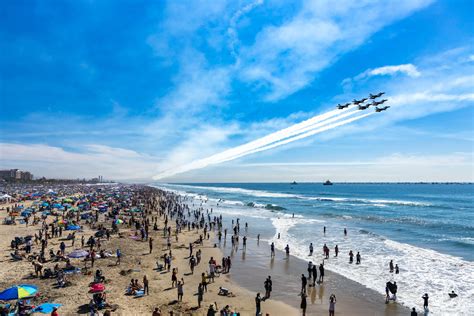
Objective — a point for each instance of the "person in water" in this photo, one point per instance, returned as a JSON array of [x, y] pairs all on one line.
[[425, 301], [390, 265], [336, 250], [311, 249], [272, 250], [358, 258]]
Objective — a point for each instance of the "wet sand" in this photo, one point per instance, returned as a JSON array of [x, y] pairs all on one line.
[[251, 267]]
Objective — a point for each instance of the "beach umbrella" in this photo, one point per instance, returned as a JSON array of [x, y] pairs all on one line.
[[78, 253], [118, 221], [45, 204], [73, 227], [46, 308], [68, 200], [18, 292]]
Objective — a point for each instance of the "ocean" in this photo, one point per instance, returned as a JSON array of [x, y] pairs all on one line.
[[427, 229]]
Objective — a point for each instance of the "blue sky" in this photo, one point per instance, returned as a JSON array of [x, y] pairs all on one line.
[[129, 89]]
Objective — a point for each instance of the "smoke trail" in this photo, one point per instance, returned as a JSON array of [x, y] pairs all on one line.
[[301, 136], [284, 136]]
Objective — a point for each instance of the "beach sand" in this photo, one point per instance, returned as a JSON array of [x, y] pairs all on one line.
[[249, 270], [136, 258]]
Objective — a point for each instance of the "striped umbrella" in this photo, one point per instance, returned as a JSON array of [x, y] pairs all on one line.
[[18, 292]]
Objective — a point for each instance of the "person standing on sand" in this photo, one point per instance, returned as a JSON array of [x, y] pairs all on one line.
[[321, 273], [272, 250], [119, 255], [146, 289], [332, 304], [180, 290], [304, 282], [150, 244], [200, 294], [413, 312], [268, 287], [315, 274], [303, 304], [287, 250], [258, 303]]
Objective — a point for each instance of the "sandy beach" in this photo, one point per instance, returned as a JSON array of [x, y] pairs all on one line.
[[249, 269]]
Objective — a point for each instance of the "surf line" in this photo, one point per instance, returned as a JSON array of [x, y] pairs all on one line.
[[312, 126]]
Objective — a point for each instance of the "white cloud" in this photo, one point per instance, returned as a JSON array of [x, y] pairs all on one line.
[[285, 58], [92, 160], [406, 69]]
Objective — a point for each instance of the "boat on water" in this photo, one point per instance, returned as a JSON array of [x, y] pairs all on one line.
[[327, 182]]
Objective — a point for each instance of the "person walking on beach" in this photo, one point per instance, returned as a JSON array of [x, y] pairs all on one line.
[[332, 304], [303, 304], [425, 301], [272, 250]]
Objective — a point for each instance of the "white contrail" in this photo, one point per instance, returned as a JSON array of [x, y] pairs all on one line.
[[301, 130], [301, 136]]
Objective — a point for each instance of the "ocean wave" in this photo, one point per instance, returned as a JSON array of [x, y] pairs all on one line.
[[263, 193], [421, 270]]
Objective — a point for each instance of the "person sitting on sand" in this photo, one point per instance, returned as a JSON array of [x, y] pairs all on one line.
[[223, 291]]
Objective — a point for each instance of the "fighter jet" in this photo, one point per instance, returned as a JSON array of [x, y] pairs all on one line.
[[378, 95], [357, 102], [381, 109], [364, 107], [342, 106], [375, 103]]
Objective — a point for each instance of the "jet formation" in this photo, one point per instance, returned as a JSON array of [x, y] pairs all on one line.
[[364, 106]]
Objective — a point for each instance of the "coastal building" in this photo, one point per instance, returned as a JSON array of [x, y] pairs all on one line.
[[16, 174]]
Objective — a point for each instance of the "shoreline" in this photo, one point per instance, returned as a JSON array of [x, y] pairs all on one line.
[[251, 267]]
